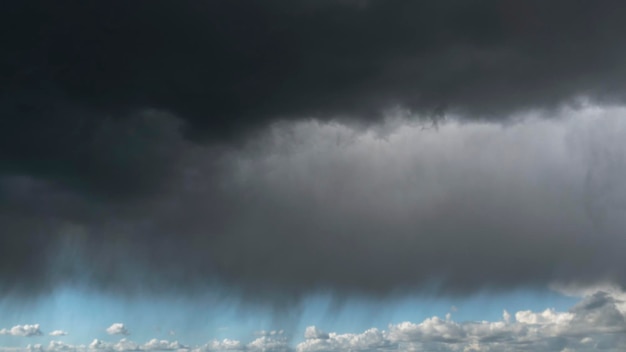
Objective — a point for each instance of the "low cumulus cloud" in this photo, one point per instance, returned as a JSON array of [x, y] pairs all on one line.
[[58, 333], [117, 329], [163, 345], [268, 343], [27, 330], [596, 322], [593, 323]]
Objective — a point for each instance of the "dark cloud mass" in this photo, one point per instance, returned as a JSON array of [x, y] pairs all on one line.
[[168, 144], [227, 66]]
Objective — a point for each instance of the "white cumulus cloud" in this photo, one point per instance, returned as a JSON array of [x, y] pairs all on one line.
[[223, 345], [594, 323], [163, 345], [117, 329], [23, 330]]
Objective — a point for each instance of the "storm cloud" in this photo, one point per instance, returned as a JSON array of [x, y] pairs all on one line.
[[312, 206], [285, 147], [227, 67]]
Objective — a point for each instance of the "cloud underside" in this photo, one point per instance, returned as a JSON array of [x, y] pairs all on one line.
[[596, 322], [293, 146], [228, 68], [455, 206]]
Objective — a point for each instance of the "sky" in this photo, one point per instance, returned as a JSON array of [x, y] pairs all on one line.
[[312, 175]]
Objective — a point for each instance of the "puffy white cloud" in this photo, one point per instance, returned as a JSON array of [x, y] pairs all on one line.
[[117, 329], [431, 329], [98, 344], [162, 345], [58, 333], [506, 316], [548, 316], [223, 345], [594, 323], [126, 345], [312, 332], [370, 340], [23, 330], [55, 346], [265, 343], [29, 348], [270, 341], [122, 345]]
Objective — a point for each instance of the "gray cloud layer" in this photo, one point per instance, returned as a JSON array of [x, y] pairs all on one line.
[[308, 206]]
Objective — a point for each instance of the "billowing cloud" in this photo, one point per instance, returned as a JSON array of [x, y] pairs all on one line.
[[269, 343], [594, 323], [122, 345], [117, 329], [58, 333], [274, 340], [312, 332], [62, 346], [370, 340], [163, 345], [97, 344], [23, 330], [224, 345]]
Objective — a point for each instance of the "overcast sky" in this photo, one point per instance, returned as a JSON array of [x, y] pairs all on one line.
[[275, 157]]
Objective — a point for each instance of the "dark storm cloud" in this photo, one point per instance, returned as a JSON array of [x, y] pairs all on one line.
[[312, 206], [139, 145], [228, 66]]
